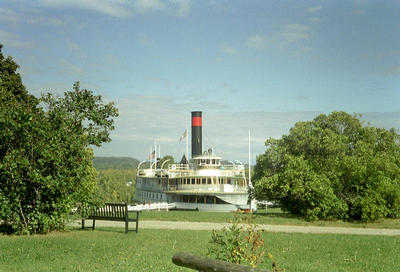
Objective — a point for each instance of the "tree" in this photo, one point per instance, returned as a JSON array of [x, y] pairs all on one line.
[[123, 163], [45, 159], [116, 185], [332, 167]]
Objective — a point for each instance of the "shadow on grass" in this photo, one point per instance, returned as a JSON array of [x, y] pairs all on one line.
[[116, 229], [120, 230], [276, 213]]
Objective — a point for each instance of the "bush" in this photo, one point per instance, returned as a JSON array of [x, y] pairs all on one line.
[[237, 244]]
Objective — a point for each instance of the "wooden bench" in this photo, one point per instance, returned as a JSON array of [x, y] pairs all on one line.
[[112, 212]]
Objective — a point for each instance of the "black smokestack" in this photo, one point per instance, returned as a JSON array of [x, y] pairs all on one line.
[[196, 133]]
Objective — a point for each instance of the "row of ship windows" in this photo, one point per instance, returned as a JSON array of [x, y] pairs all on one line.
[[200, 199], [209, 162], [156, 196], [187, 181], [193, 181]]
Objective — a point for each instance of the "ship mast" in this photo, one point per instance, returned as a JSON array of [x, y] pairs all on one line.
[[249, 163], [250, 185]]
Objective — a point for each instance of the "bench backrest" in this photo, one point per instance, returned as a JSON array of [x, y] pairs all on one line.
[[113, 210]]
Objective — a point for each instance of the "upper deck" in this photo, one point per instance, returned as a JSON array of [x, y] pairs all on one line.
[[204, 165]]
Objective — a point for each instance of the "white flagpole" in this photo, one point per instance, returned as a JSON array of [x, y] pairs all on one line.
[[150, 158], [250, 185], [249, 162], [155, 155], [159, 151]]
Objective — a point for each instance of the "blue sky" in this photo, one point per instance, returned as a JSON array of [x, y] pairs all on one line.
[[248, 65]]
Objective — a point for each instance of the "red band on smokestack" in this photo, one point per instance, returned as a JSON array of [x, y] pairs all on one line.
[[196, 121]]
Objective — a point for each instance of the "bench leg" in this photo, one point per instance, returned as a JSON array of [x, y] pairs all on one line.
[[137, 221], [126, 226], [94, 221]]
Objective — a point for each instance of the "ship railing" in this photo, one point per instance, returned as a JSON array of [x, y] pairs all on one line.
[[151, 187], [171, 188], [152, 206], [191, 173], [207, 188], [177, 166], [231, 167], [146, 172]]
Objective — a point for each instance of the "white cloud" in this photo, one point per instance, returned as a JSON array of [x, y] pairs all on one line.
[[143, 6], [115, 8], [222, 6], [257, 41], [8, 15], [314, 9], [229, 50], [124, 8], [31, 15], [12, 40], [180, 8]]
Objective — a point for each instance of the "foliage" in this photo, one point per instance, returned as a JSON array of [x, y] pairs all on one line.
[[116, 185], [238, 243], [123, 163], [45, 163], [332, 167], [228, 245], [86, 113], [255, 245]]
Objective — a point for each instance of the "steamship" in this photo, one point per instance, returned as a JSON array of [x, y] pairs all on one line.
[[204, 183]]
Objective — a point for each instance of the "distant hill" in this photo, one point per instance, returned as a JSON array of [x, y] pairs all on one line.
[[101, 163]]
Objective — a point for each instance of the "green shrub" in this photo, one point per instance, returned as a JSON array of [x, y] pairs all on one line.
[[237, 244]]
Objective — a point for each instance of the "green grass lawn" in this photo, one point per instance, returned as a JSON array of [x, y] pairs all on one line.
[[109, 249], [271, 216]]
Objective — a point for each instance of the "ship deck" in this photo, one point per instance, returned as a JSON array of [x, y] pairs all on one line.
[[209, 193]]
